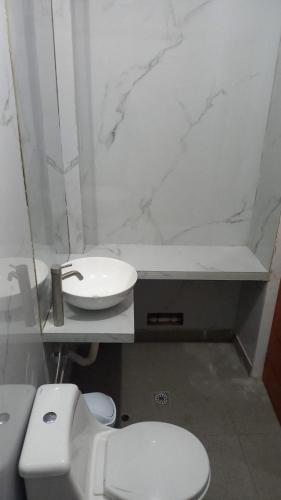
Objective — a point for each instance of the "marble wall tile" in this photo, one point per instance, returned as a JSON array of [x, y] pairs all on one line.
[[62, 23], [256, 311], [180, 93], [82, 72], [267, 207], [265, 240], [21, 350], [270, 298], [32, 49]]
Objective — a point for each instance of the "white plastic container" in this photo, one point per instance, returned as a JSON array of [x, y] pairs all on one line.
[[102, 407]]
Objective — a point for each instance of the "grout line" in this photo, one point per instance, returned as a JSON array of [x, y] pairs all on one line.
[[243, 356], [248, 467]]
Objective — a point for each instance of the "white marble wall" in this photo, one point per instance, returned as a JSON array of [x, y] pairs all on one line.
[[81, 29], [21, 351], [270, 298], [63, 42], [254, 330], [32, 50], [256, 312], [267, 207], [180, 93]]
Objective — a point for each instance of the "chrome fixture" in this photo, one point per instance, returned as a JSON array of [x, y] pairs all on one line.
[[21, 274], [57, 295]]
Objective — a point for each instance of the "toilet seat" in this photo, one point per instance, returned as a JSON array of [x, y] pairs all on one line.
[[139, 461]]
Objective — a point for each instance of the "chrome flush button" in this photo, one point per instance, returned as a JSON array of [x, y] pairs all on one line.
[[50, 417]]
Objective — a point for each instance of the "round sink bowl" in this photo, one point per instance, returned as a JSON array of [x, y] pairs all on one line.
[[106, 282]]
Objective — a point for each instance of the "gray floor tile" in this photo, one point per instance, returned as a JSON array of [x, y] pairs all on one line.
[[141, 407], [197, 407], [250, 408], [230, 478], [210, 390], [204, 409], [263, 456], [226, 362], [164, 362], [211, 395]]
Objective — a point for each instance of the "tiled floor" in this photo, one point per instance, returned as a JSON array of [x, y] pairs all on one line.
[[212, 396]]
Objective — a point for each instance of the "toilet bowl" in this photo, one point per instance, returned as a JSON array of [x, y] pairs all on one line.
[[68, 455]]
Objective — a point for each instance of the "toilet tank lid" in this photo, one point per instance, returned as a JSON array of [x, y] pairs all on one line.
[[156, 460], [46, 448]]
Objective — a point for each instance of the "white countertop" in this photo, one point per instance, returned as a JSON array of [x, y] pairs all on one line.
[[116, 324], [234, 263], [109, 325]]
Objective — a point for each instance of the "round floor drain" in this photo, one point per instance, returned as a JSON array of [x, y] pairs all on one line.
[[125, 418], [161, 398]]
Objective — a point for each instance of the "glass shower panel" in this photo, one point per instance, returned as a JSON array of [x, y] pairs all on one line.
[[32, 50]]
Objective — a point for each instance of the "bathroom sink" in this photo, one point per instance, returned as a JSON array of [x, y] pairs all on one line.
[[106, 282]]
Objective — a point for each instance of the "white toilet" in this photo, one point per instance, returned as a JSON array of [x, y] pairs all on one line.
[[68, 455]]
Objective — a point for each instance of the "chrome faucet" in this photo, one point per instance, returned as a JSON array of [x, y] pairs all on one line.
[[57, 295]]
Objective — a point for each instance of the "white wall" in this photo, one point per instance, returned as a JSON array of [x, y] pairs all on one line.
[[172, 101], [256, 319], [63, 46], [180, 93], [21, 356], [267, 206]]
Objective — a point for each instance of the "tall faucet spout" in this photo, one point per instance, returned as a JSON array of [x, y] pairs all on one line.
[[57, 293], [72, 273]]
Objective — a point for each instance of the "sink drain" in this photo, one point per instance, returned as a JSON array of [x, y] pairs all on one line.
[[161, 398]]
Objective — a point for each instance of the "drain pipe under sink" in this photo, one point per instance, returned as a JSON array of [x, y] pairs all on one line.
[[62, 360], [84, 361]]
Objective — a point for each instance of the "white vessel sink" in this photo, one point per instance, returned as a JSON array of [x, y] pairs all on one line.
[[106, 282]]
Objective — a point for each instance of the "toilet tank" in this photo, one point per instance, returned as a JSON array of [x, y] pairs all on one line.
[[15, 407], [46, 451], [58, 443]]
